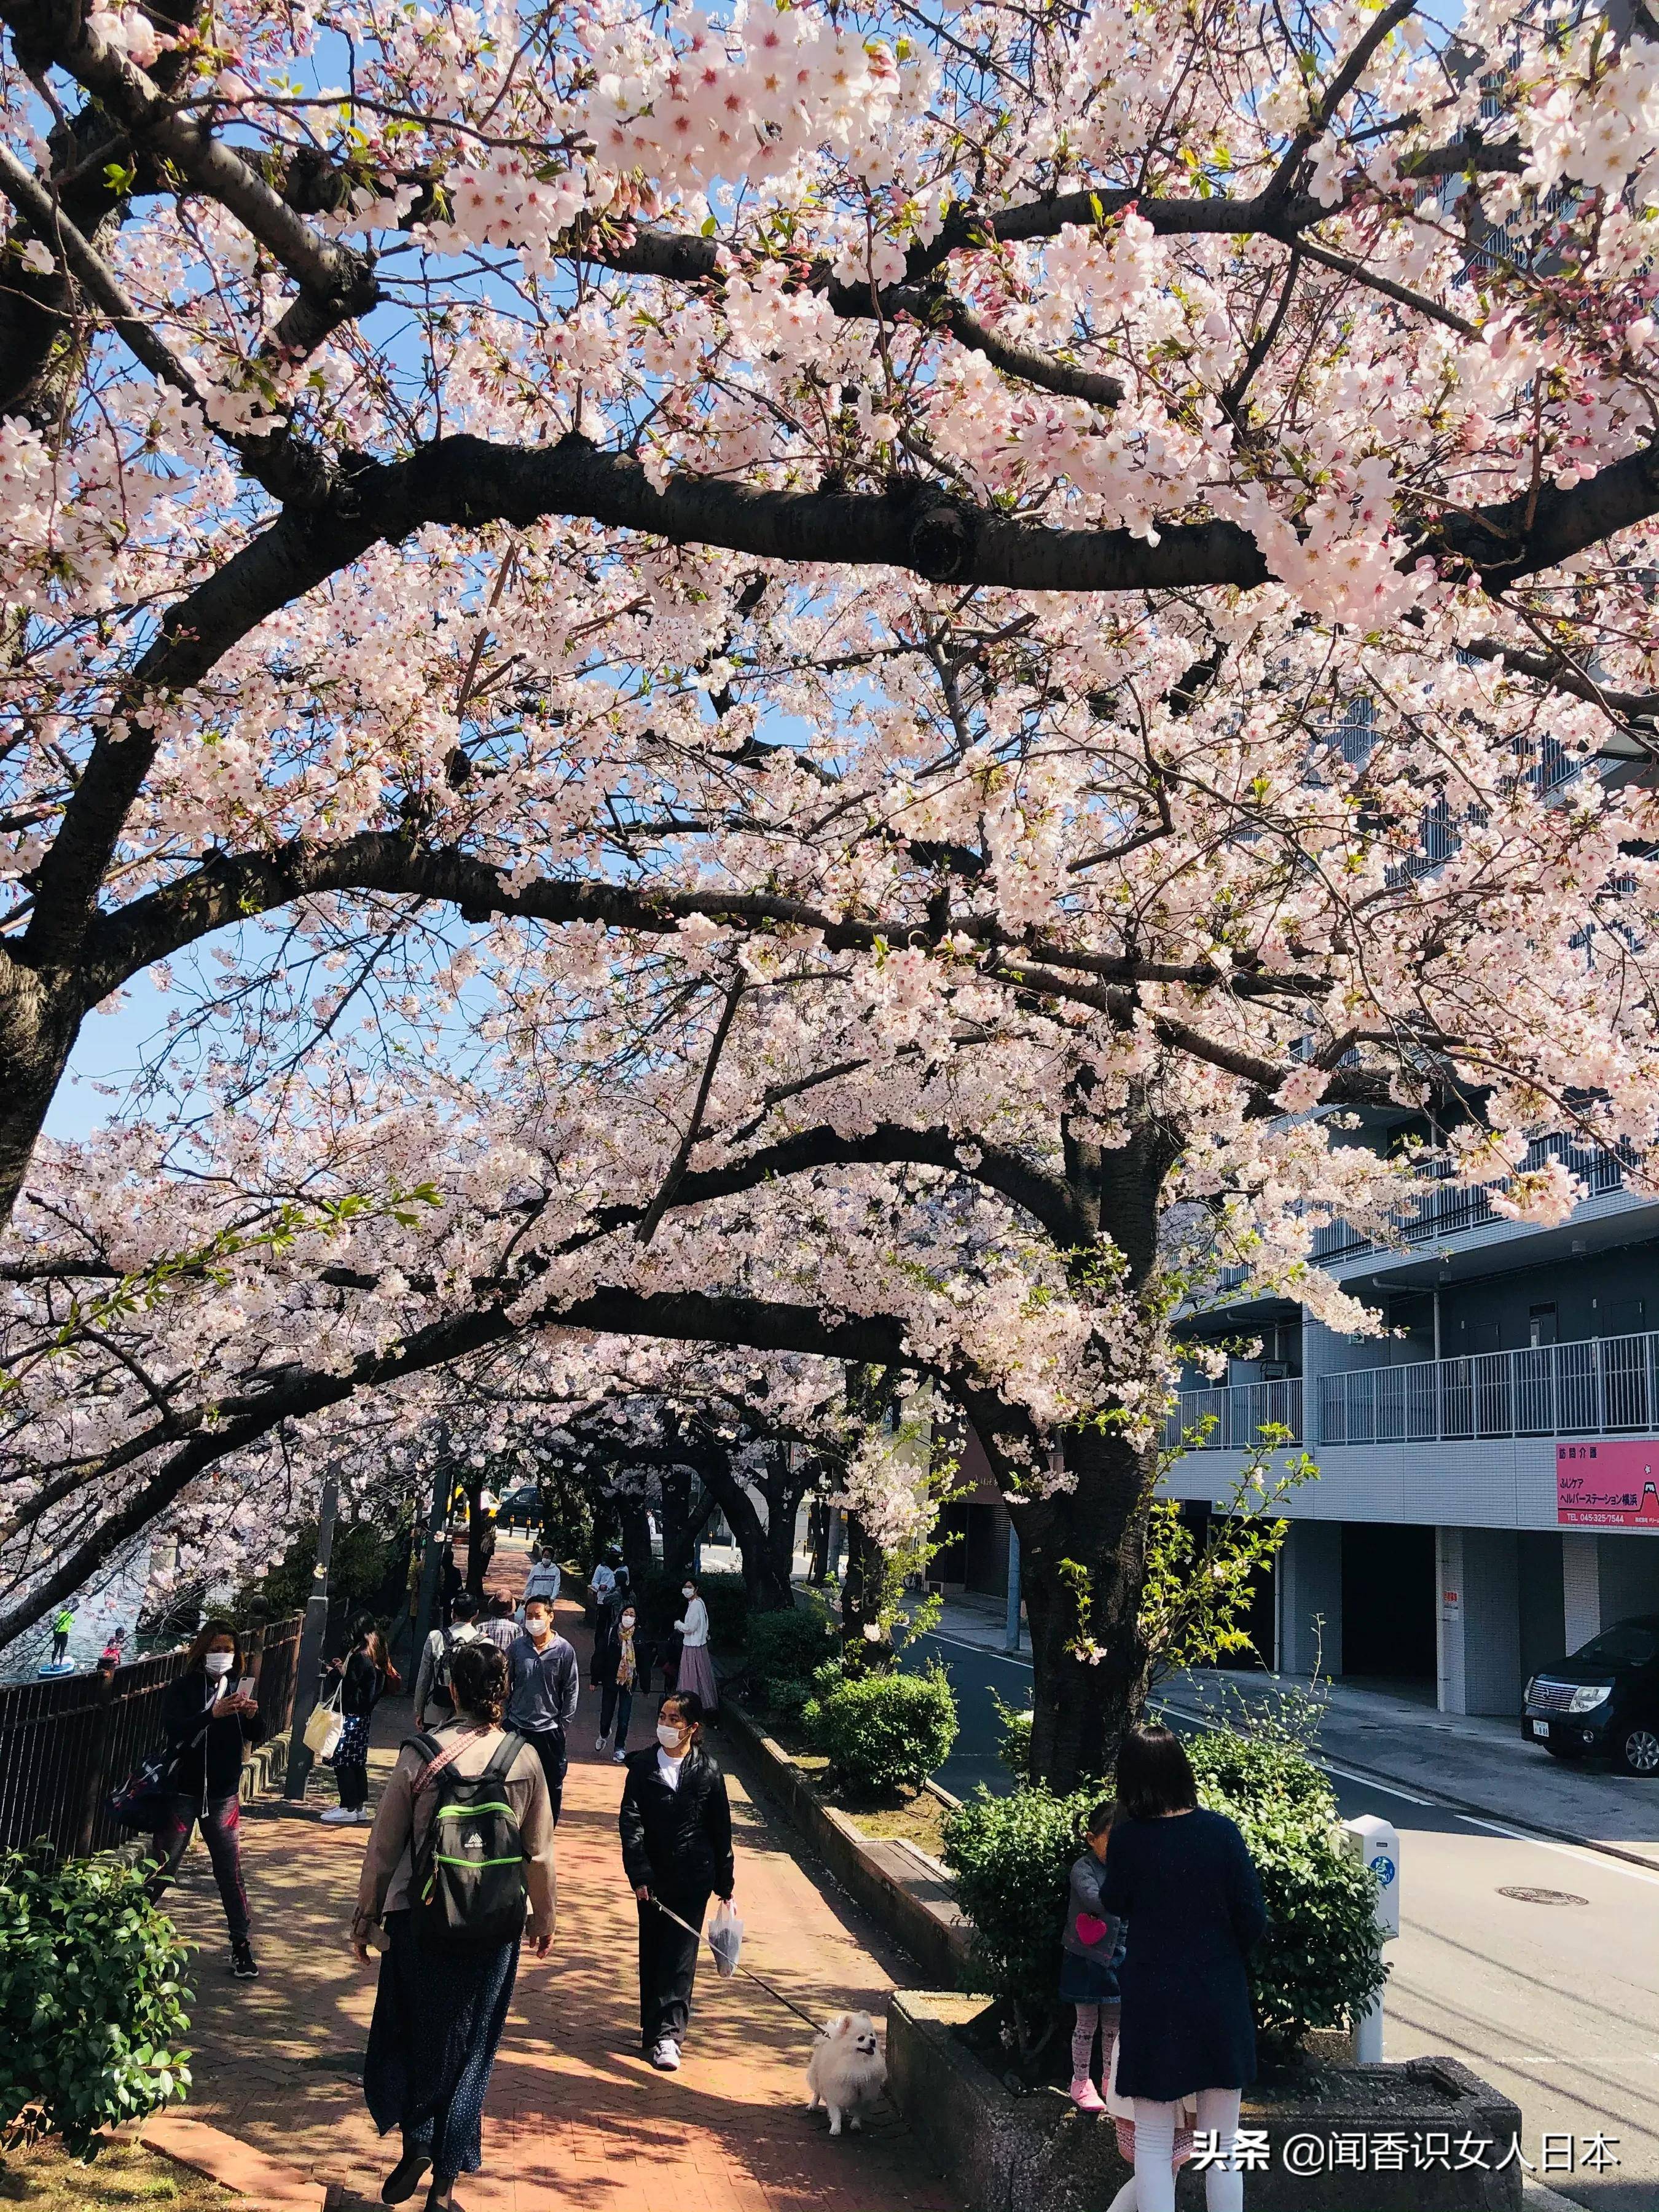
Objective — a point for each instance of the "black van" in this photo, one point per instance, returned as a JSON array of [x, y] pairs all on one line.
[[1603, 1703]]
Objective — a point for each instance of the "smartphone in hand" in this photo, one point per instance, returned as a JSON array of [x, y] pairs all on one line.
[[245, 1685]]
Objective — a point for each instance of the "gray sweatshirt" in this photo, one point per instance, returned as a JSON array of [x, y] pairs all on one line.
[[1084, 1900], [545, 1686]]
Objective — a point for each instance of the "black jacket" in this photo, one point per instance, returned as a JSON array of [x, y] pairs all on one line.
[[607, 1652], [361, 1684], [678, 1841], [184, 1708]]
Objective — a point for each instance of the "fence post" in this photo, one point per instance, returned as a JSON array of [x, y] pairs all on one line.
[[309, 1666], [92, 1780]]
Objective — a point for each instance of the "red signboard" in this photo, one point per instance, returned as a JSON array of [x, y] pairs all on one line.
[[1609, 1483]]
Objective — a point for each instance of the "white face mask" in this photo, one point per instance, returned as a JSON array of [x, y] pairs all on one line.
[[628, 1620], [669, 1738], [689, 1591], [219, 1662]]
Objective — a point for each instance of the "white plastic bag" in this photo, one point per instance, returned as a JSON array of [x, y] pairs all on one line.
[[725, 1940], [325, 1727]]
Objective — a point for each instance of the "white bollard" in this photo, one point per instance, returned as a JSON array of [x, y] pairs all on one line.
[[1376, 1844]]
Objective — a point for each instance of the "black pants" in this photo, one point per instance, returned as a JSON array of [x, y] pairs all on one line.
[[668, 1966], [60, 1645], [549, 1747], [221, 1819], [616, 1704]]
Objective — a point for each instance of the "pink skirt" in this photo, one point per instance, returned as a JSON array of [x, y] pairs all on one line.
[[697, 1672]]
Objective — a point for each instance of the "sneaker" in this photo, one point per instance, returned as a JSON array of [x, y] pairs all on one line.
[[665, 2056], [619, 1759], [1085, 2096], [344, 1816], [243, 1963], [599, 1743]]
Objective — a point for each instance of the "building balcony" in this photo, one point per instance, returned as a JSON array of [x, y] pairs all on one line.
[[1446, 1209], [1601, 1386], [1236, 1413]]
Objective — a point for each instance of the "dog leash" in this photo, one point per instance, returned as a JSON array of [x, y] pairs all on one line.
[[788, 2004]]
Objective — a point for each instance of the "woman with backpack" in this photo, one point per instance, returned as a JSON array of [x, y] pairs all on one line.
[[362, 1676], [209, 1726], [458, 1868]]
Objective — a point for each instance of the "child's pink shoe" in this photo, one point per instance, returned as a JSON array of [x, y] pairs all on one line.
[[1085, 2096]]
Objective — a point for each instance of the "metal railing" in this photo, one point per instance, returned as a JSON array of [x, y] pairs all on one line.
[[64, 1744], [1236, 1414], [1600, 1386], [1447, 1210]]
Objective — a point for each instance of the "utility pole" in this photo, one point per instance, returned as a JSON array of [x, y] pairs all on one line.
[[1011, 1638], [426, 1609], [308, 1667]]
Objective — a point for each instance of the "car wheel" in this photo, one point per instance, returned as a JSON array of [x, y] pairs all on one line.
[[1640, 1751]]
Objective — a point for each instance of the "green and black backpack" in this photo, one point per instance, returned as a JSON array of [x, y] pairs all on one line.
[[469, 1890]]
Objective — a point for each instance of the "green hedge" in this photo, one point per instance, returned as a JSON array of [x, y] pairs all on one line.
[[91, 2004], [884, 1732], [790, 1646], [1320, 1962]]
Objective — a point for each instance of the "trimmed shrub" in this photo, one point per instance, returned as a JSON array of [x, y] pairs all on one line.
[[91, 2005], [790, 1645], [784, 1696], [1012, 1857], [884, 1732], [1320, 1963], [1014, 1750]]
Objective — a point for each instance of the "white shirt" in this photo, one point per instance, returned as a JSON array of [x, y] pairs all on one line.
[[602, 1580], [695, 1628], [670, 1768]]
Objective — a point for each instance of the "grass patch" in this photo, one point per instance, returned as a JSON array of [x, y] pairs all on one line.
[[919, 1821], [125, 2177]]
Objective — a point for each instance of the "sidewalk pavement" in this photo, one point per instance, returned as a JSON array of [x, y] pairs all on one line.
[[1481, 1763], [576, 2120]]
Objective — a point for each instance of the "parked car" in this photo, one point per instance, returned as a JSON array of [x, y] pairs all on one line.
[[520, 1508], [1603, 1702]]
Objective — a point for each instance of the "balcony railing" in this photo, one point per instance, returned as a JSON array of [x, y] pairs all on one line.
[[1447, 1209], [1601, 1386], [1237, 1413]]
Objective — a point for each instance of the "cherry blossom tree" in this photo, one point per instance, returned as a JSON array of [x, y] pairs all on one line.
[[966, 652]]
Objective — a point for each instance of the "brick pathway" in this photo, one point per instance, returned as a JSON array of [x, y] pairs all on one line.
[[576, 2118]]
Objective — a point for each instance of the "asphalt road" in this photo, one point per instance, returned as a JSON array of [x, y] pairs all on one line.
[[1557, 2004]]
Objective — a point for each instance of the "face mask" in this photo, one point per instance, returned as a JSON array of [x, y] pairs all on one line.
[[688, 1591], [628, 1620], [669, 1738], [219, 1662]]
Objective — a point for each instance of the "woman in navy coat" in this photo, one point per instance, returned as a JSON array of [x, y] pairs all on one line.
[[1183, 1881]]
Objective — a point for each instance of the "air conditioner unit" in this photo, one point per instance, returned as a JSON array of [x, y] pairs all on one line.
[[1275, 1370]]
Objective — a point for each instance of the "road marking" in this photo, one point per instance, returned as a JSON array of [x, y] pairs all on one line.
[[959, 1643], [1325, 1765], [1565, 1850]]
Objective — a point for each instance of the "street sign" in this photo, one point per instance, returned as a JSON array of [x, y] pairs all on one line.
[[1376, 1844]]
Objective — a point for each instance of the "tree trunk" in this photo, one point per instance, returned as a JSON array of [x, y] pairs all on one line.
[[1083, 1562], [636, 1541], [766, 1584], [682, 1521], [861, 1602], [38, 1029], [818, 1538], [477, 1556]]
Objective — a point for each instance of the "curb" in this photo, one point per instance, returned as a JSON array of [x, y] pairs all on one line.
[[1444, 1802], [234, 2165], [934, 1936]]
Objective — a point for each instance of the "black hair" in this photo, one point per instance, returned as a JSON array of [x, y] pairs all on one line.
[[478, 1672], [463, 1606], [1101, 1818], [1154, 1775], [541, 1599], [209, 1632], [692, 1706]]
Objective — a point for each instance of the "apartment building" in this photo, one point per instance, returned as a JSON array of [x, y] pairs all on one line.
[[1488, 1484]]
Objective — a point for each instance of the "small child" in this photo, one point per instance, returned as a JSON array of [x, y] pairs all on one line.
[[1092, 1945], [1094, 1942]]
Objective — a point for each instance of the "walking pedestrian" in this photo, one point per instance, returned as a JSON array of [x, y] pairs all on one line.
[[362, 1676], [451, 1585], [209, 1723], [440, 2007], [1182, 1879], [432, 1692], [62, 1622], [603, 1580], [676, 1825], [541, 1705], [498, 1624], [544, 1578], [618, 1662], [696, 1672]]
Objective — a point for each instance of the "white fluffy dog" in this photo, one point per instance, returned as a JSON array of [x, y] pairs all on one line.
[[847, 2069]]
